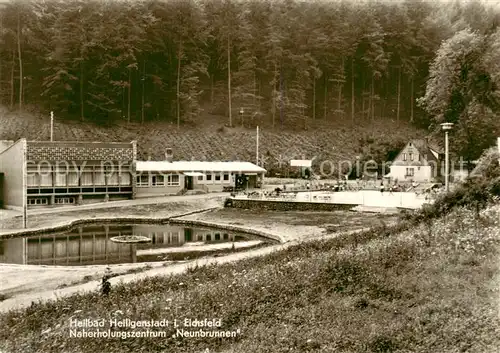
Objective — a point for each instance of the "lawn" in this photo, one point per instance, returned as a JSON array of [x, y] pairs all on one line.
[[431, 287]]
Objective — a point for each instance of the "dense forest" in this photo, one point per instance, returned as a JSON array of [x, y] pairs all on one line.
[[253, 61]]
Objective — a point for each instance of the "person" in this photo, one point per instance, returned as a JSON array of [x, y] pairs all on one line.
[[308, 186], [382, 188], [391, 188]]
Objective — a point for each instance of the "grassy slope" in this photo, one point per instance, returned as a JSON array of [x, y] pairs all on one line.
[[210, 140], [431, 288]]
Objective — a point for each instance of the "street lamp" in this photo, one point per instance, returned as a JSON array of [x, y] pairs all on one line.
[[446, 127]]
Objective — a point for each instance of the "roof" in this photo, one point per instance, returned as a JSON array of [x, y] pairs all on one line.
[[201, 166], [424, 149]]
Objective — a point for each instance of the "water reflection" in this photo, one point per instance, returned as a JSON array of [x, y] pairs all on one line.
[[91, 245]]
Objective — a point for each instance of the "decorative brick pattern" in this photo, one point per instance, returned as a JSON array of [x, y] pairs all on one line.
[[84, 152]]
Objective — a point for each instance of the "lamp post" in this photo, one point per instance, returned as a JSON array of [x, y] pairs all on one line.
[[446, 127]]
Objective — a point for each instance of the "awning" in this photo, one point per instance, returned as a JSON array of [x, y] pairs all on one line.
[[250, 174], [193, 174]]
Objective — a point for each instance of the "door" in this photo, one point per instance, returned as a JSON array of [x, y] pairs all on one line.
[[188, 182]]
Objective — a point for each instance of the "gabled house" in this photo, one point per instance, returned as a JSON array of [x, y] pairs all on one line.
[[417, 161]]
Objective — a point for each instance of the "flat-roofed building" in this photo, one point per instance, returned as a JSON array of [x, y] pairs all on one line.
[[57, 173], [155, 178]]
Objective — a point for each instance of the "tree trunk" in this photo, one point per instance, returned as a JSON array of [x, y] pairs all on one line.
[[341, 85], [212, 89], [411, 101], [254, 91], [273, 108], [325, 99], [229, 79], [129, 90], [352, 90], [20, 61], [12, 84], [82, 112], [399, 94], [1, 95], [363, 104], [314, 98], [143, 82], [179, 85], [372, 100]]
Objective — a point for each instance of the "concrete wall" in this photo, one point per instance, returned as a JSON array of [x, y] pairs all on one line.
[[349, 198], [13, 165], [13, 251]]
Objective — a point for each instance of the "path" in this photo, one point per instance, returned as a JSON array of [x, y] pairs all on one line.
[[111, 204]]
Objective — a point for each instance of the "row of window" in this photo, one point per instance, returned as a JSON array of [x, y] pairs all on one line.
[[409, 155], [214, 176], [45, 201], [158, 180], [72, 179], [410, 171]]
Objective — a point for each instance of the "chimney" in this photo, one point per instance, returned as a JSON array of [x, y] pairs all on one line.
[[169, 156]]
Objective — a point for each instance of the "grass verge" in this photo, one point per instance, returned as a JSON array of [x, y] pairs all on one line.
[[429, 288]]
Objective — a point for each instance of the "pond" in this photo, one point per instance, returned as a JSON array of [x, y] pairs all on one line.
[[92, 245]]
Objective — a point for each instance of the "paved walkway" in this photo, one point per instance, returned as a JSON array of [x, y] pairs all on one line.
[[4, 214]]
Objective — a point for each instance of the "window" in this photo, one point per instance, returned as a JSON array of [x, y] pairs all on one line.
[[99, 178], [38, 201], [125, 178], [209, 177], [61, 178], [410, 171], [86, 179], [217, 177], [411, 156], [200, 177], [226, 177], [158, 180], [73, 179], [45, 179], [113, 178], [143, 180], [32, 179], [173, 180], [404, 156], [64, 200]]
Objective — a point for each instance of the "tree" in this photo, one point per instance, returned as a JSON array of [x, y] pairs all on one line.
[[461, 90]]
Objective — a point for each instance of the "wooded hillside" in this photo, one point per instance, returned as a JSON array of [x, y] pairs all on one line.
[[284, 62]]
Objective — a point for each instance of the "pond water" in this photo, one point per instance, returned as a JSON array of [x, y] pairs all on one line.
[[92, 245]]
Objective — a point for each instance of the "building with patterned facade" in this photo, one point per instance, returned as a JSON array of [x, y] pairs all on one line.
[[57, 173]]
